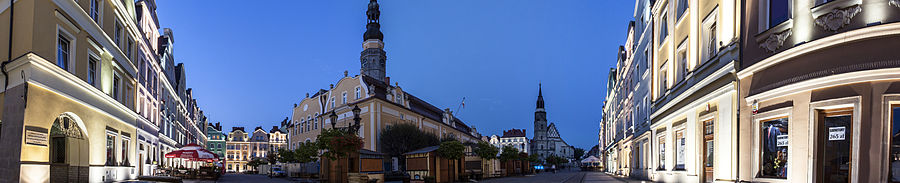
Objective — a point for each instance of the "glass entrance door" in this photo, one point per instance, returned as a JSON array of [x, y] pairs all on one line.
[[834, 145], [708, 151], [894, 157]]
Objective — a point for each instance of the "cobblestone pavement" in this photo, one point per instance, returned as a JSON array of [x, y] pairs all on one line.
[[241, 178], [564, 177]]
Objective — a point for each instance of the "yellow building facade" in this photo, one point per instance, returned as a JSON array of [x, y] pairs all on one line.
[[695, 52], [241, 147], [381, 106], [77, 106]]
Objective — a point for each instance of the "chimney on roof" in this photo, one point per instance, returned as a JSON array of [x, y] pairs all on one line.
[[387, 80], [307, 95], [295, 105], [345, 73], [330, 86]]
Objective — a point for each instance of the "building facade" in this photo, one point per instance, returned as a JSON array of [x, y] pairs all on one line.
[[627, 108], [547, 140], [216, 142], [671, 109], [694, 113], [242, 147], [382, 103], [84, 90], [820, 91], [514, 137]]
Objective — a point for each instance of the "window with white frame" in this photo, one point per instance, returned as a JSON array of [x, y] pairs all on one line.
[[661, 143], [332, 102], [63, 47], [128, 48], [117, 34], [344, 98], [115, 87], [709, 43], [358, 95], [679, 149], [683, 65], [682, 8], [663, 77], [127, 95], [774, 150], [110, 148], [125, 160], [663, 26], [92, 70], [95, 11]]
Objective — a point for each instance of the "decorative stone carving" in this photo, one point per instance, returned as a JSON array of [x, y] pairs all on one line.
[[775, 41], [895, 3], [837, 18], [65, 126]]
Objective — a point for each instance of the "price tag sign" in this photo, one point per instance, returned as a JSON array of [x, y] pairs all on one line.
[[781, 141], [837, 133]]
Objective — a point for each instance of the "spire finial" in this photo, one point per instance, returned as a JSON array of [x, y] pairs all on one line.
[[540, 99]]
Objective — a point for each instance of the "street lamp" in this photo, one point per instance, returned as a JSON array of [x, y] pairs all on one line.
[[333, 118], [355, 128]]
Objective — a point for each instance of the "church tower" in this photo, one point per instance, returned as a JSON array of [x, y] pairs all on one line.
[[540, 126], [372, 58]]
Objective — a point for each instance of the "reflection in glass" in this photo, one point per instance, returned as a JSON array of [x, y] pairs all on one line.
[[895, 144], [774, 148], [835, 151]]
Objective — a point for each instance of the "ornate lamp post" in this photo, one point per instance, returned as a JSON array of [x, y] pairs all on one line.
[[355, 127], [333, 118]]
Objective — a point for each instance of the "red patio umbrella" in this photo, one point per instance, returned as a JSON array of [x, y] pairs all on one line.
[[193, 152]]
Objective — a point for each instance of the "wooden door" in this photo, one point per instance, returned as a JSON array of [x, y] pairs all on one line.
[[708, 150]]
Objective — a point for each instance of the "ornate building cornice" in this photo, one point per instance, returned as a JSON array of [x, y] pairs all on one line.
[[838, 17], [775, 41]]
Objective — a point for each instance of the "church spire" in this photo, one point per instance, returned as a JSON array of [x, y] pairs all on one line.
[[372, 58], [540, 99]]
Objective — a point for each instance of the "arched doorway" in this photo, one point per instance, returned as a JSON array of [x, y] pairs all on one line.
[[68, 150]]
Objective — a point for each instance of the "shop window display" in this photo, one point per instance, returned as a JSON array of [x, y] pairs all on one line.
[[774, 153]]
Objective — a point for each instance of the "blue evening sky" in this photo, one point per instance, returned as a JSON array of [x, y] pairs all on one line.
[[250, 61]]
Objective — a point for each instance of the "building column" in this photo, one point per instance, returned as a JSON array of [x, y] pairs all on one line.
[[13, 123]]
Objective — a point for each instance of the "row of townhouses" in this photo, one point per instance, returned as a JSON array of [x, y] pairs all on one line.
[[243, 146], [91, 92], [756, 90]]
